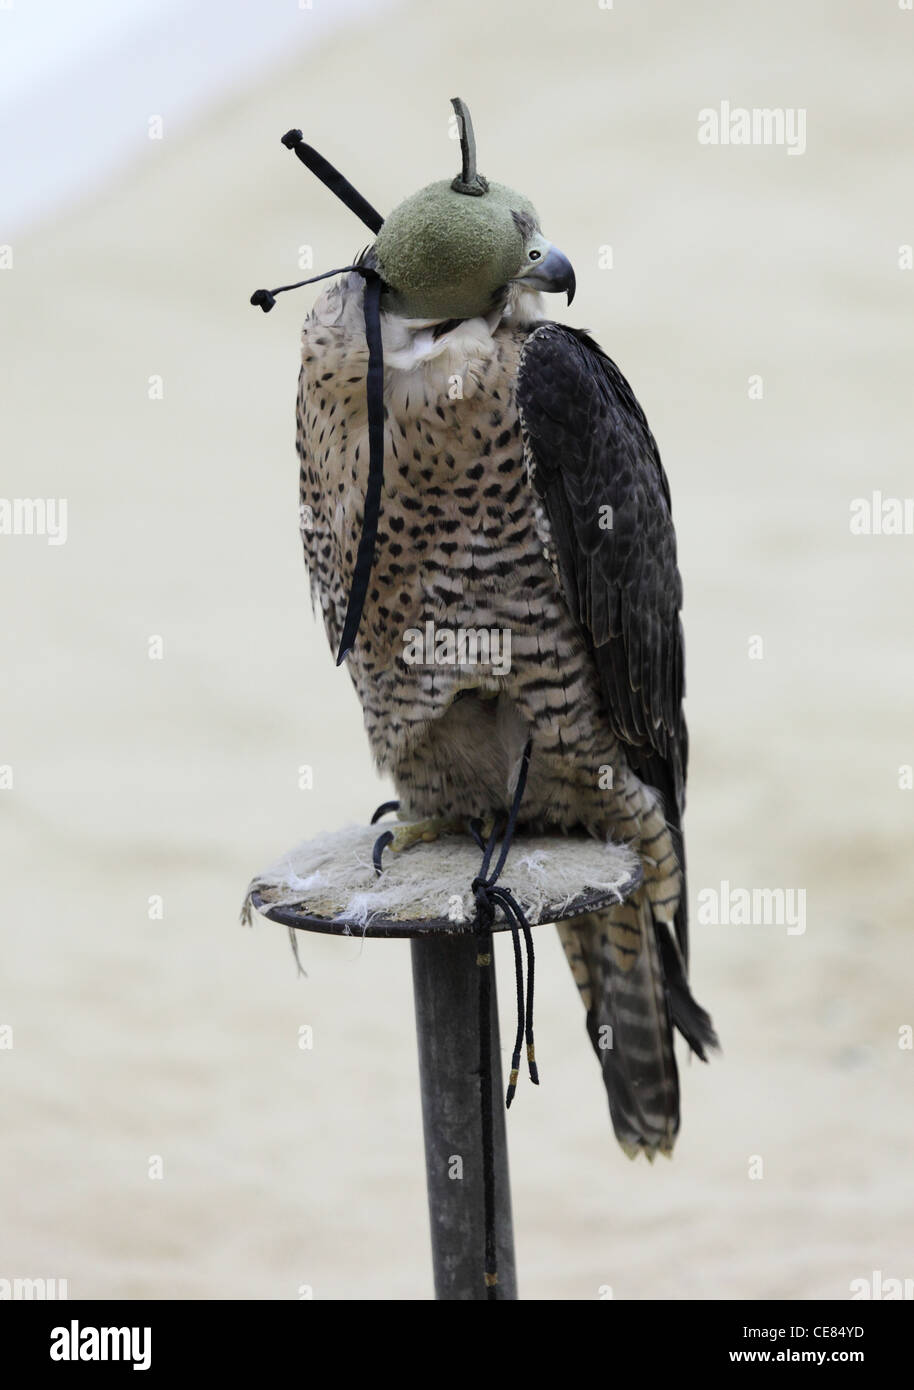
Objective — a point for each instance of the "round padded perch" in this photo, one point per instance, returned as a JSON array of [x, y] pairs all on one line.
[[329, 884], [424, 891]]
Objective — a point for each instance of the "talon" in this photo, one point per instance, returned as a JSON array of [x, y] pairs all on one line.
[[377, 852], [481, 830]]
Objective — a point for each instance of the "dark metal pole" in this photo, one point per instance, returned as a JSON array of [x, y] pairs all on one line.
[[446, 992]]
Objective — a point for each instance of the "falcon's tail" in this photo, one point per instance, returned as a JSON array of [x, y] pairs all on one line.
[[630, 975]]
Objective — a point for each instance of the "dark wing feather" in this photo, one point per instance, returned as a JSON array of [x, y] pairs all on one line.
[[590, 449]]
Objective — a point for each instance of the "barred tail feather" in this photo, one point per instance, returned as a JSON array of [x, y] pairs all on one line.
[[630, 973], [615, 957]]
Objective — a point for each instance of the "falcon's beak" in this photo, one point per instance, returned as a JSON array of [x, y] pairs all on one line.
[[552, 273]]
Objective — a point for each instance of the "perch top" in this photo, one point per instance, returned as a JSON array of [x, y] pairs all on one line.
[[329, 884]]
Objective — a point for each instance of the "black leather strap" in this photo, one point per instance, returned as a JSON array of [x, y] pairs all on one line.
[[334, 180], [374, 391]]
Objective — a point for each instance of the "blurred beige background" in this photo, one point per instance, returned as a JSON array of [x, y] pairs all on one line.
[[178, 777]]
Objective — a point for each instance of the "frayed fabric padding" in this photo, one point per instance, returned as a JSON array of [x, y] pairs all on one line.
[[332, 877]]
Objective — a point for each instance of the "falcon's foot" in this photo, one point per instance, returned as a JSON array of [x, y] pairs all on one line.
[[421, 832], [425, 831]]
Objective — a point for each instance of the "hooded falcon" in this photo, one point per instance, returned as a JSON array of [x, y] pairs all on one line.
[[523, 496]]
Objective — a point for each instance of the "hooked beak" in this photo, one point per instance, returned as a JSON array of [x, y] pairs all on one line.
[[553, 273]]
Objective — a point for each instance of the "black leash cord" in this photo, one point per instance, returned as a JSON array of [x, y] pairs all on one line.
[[374, 391], [487, 1115]]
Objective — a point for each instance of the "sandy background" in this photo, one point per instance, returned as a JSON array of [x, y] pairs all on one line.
[[179, 777]]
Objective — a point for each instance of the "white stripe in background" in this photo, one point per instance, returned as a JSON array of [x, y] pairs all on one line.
[[73, 76]]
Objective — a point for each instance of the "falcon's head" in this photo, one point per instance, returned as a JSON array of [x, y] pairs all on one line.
[[452, 249]]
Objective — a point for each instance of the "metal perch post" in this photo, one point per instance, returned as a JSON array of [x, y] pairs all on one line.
[[328, 885], [447, 1029]]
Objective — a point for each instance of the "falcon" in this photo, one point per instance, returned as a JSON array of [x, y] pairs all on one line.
[[523, 497]]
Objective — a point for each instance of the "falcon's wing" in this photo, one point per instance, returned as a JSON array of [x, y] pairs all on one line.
[[597, 471]]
